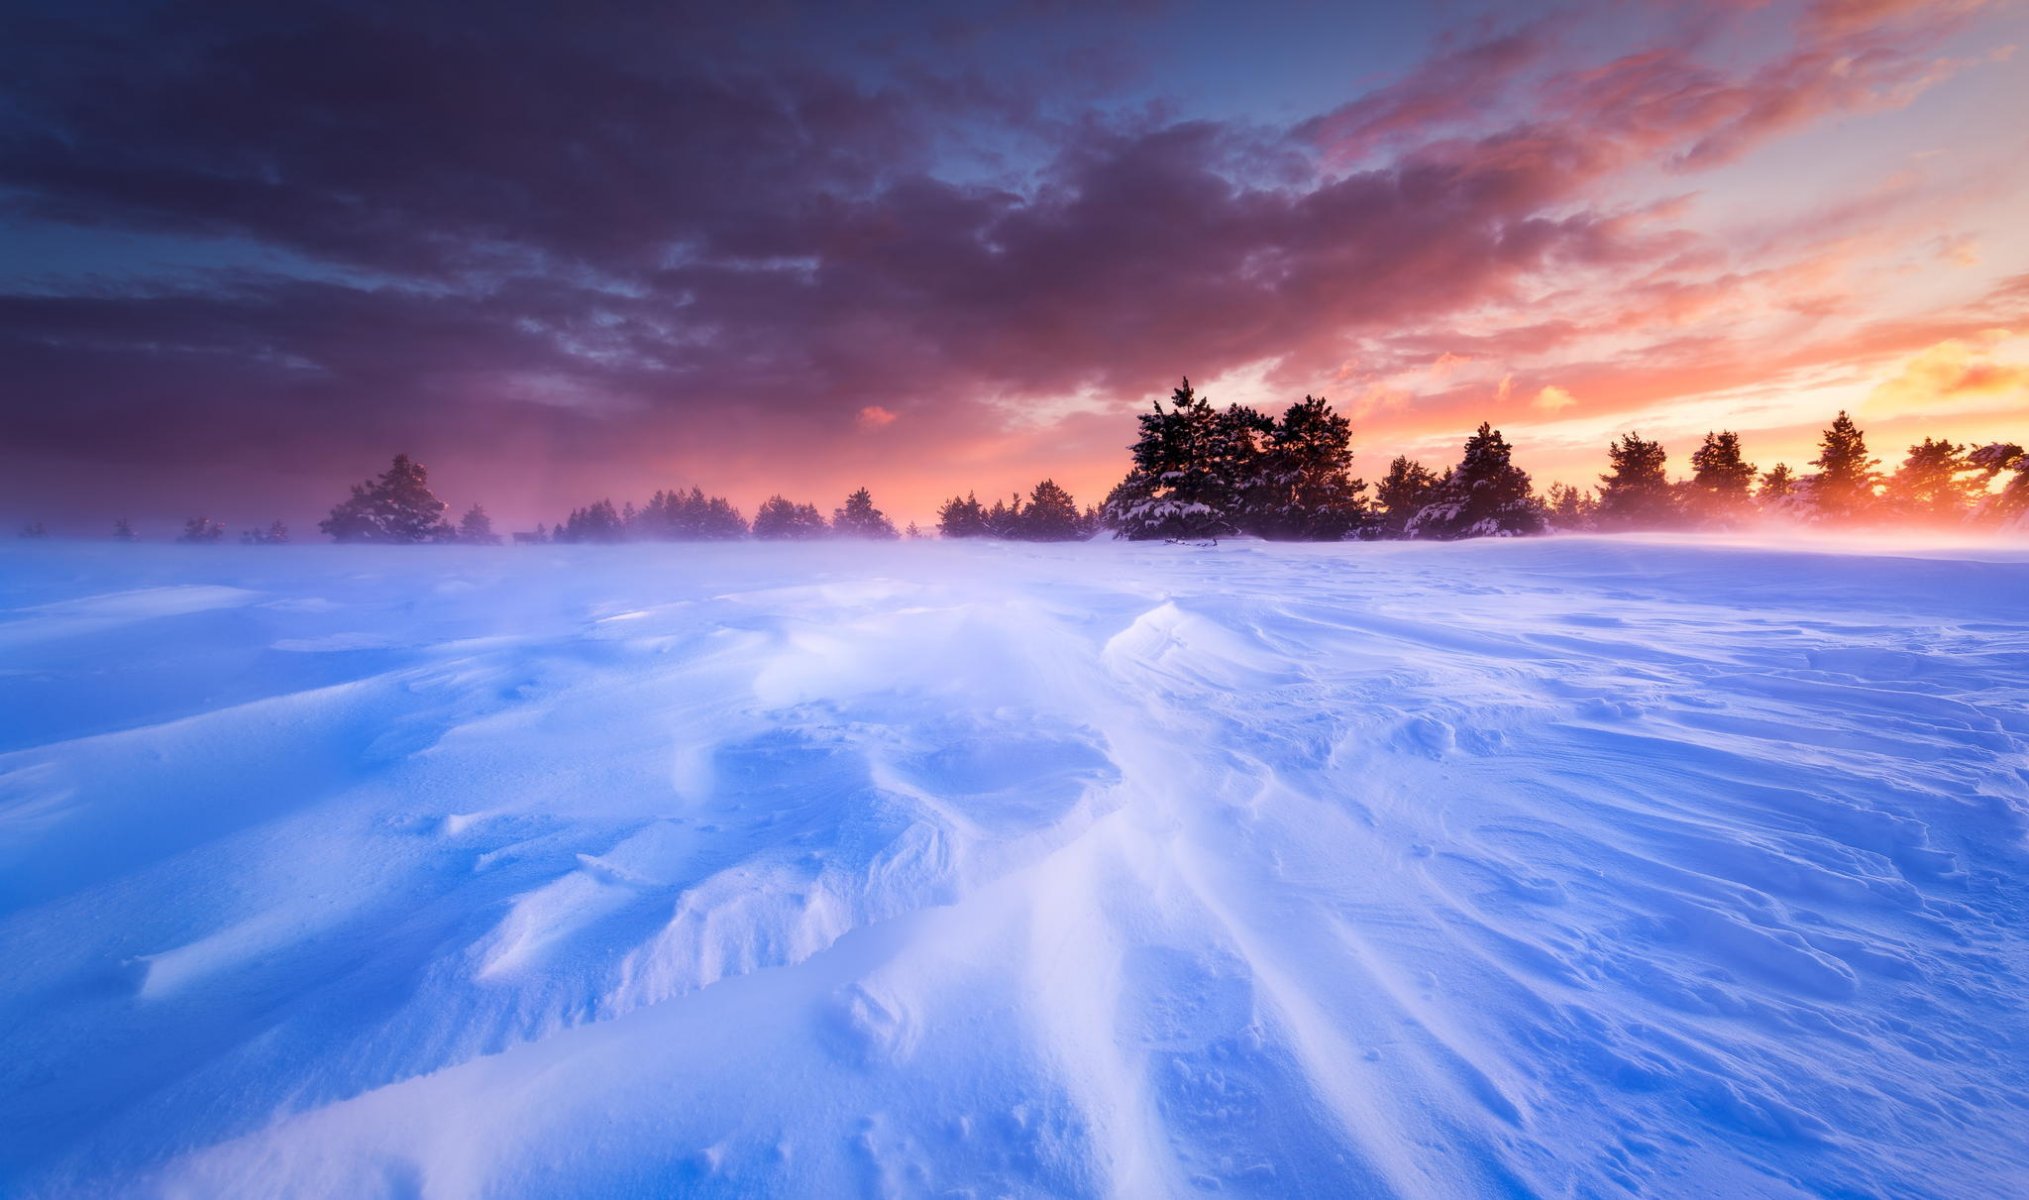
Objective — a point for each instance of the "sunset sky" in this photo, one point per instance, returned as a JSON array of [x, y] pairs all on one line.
[[249, 251]]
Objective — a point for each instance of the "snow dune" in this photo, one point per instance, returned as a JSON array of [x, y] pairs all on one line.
[[1574, 867]]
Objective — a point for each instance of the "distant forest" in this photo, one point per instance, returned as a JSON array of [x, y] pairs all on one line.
[[1200, 473]]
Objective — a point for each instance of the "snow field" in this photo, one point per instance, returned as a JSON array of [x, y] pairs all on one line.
[[1560, 867]]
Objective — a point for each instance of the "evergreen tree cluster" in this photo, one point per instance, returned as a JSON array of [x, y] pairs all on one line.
[[1204, 472], [679, 516], [1049, 515], [1937, 482], [1201, 472]]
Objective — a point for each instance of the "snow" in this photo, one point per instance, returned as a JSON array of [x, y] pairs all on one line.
[[1556, 866]]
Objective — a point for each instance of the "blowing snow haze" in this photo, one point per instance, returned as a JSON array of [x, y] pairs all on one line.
[[247, 251]]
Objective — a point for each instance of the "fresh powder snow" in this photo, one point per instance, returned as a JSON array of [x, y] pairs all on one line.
[[1563, 867]]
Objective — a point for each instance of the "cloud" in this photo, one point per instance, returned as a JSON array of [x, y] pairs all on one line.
[[1554, 399], [1957, 375], [656, 241]]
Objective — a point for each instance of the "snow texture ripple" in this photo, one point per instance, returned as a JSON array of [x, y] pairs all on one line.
[[1576, 867]]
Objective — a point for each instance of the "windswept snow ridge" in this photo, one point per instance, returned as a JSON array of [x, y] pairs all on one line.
[[1565, 868]]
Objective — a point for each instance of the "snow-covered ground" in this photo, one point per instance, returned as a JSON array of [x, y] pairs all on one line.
[[1564, 867]]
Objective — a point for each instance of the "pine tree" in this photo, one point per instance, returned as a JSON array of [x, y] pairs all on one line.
[[397, 507], [599, 523], [201, 531], [962, 518], [1191, 467], [1004, 519], [1485, 495], [859, 518], [1722, 481], [122, 532], [1402, 493], [475, 528], [1051, 516], [34, 531], [1570, 510], [1304, 490], [2009, 506], [778, 518], [678, 516], [1843, 488], [1636, 493], [911, 532], [276, 534], [1935, 483]]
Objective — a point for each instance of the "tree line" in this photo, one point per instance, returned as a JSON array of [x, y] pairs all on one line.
[[1198, 472], [1203, 472]]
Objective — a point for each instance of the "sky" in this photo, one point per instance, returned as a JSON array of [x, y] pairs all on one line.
[[560, 253]]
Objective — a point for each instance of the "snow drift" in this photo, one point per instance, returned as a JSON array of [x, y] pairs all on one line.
[[1563, 867]]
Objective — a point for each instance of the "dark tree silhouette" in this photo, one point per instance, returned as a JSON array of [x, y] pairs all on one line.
[[1721, 481], [1402, 494], [1485, 495], [475, 528], [1571, 510], [398, 507], [1635, 494], [122, 532], [2011, 504], [1004, 519], [689, 516], [1304, 490], [597, 523], [778, 518], [1935, 483], [1780, 489], [201, 531], [860, 519], [1051, 516], [962, 518], [276, 534], [1843, 488], [1180, 485]]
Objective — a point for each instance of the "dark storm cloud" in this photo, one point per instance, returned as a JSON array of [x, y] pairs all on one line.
[[509, 227]]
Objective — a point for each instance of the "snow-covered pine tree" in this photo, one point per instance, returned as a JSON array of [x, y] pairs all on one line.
[[1485, 495], [1190, 464], [1303, 488], [1636, 493], [1401, 494], [860, 519], [397, 507]]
